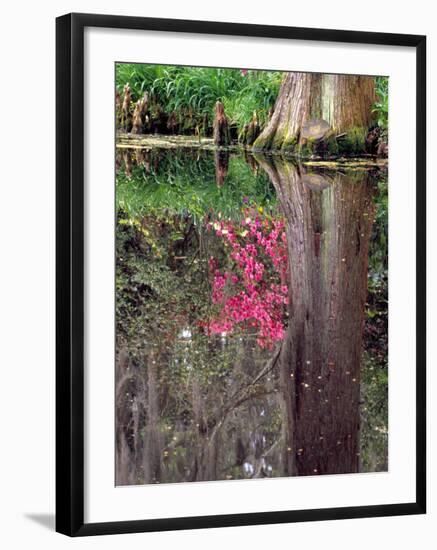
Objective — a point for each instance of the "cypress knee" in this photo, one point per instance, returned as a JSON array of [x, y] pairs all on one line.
[[253, 130], [137, 123], [221, 126]]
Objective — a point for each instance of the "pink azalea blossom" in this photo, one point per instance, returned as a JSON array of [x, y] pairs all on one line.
[[245, 294]]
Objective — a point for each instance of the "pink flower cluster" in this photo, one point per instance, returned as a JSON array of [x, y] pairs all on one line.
[[253, 290]]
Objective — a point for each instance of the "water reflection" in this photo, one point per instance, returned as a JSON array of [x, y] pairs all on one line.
[[194, 235], [329, 216], [221, 161]]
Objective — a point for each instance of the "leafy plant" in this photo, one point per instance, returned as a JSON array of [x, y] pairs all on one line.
[[259, 94], [380, 108], [190, 93]]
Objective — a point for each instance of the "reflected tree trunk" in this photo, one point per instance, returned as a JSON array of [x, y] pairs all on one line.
[[152, 446], [328, 225], [221, 164]]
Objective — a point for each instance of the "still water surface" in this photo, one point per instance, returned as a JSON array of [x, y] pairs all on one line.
[[251, 317]]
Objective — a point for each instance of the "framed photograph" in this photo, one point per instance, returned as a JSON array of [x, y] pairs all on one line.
[[240, 274]]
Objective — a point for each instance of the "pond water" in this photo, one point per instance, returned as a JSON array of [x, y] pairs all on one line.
[[251, 316]]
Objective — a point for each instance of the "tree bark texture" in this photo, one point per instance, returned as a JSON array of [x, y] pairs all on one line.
[[343, 101], [328, 226]]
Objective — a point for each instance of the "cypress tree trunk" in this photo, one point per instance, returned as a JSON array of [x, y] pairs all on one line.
[[328, 225], [342, 102]]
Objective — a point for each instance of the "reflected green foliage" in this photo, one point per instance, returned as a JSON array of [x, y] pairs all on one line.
[[185, 182], [162, 293], [374, 390], [151, 290], [374, 433], [378, 256]]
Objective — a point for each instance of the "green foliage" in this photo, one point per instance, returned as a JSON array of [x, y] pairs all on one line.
[[191, 92], [353, 142], [258, 94], [139, 80], [380, 108]]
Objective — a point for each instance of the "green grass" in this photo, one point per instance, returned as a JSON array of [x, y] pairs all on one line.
[[191, 92]]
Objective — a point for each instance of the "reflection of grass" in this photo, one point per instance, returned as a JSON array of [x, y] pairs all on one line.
[[185, 184], [374, 415]]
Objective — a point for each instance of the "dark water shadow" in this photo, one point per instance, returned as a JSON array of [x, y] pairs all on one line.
[[46, 520]]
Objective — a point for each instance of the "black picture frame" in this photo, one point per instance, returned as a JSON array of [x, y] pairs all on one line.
[[70, 273]]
